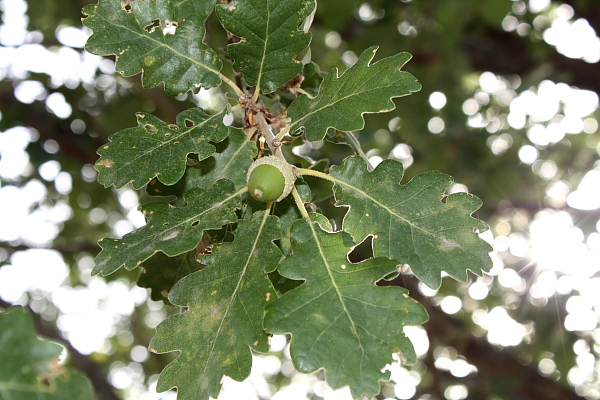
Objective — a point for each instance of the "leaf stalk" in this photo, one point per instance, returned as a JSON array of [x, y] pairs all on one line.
[[232, 84], [300, 204]]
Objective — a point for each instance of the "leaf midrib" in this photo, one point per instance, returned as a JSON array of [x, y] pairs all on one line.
[[339, 294], [385, 207], [235, 291]]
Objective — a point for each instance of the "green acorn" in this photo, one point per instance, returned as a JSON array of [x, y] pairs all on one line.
[[270, 179]]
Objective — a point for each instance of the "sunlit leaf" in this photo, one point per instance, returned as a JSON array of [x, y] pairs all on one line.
[[172, 230], [155, 148], [29, 367], [362, 88], [270, 39], [411, 223], [146, 37], [225, 303], [339, 319]]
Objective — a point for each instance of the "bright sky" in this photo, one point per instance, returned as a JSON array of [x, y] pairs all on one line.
[[88, 315]]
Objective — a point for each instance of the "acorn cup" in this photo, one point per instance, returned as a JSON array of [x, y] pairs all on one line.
[[270, 179]]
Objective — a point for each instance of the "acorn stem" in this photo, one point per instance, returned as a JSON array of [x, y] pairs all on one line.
[[300, 204], [318, 174]]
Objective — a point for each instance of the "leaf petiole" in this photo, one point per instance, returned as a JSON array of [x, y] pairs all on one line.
[[304, 92], [300, 204], [235, 87], [256, 93], [319, 174]]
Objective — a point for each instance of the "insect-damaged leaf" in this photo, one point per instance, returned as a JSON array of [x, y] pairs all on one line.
[[226, 303], [339, 319], [155, 148], [410, 223], [172, 230], [362, 88], [270, 39], [146, 37]]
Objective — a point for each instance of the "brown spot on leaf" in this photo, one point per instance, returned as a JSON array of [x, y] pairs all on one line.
[[448, 244], [107, 163]]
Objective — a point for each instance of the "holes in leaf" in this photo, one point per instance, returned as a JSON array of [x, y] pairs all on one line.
[[362, 251], [173, 127], [151, 27], [150, 128], [195, 223], [126, 7], [170, 27], [189, 123]]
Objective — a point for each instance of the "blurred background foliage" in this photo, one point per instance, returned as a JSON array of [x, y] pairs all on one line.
[[509, 108]]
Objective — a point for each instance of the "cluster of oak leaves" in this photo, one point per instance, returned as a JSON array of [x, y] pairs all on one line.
[[246, 266]]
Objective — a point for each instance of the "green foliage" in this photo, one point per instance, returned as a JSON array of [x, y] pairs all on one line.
[[146, 37], [340, 303], [231, 160], [271, 256], [159, 149], [172, 230], [343, 100], [29, 369], [161, 272], [226, 303], [270, 39], [410, 223]]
